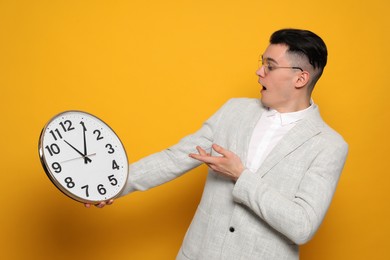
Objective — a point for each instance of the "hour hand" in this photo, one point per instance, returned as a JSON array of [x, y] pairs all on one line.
[[87, 159]]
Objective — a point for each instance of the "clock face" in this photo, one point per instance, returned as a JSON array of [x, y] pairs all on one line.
[[83, 157]]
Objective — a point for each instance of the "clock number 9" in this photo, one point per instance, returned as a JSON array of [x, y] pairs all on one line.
[[57, 167]]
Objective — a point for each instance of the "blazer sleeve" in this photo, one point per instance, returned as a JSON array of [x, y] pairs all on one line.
[[298, 218], [164, 166]]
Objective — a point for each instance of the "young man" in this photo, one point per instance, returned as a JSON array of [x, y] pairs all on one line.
[[273, 163]]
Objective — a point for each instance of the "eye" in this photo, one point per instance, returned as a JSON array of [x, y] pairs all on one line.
[[270, 67]]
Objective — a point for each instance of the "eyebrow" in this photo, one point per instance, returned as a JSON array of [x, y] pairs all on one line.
[[269, 59]]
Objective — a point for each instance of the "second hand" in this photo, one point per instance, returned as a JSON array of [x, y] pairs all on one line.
[[92, 154]]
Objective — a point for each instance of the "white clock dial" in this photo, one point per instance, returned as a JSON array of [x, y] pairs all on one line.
[[83, 157]]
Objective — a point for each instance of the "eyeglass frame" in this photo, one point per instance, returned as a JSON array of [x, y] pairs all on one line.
[[266, 71]]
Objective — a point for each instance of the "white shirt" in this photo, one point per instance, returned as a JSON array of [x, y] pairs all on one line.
[[269, 130]]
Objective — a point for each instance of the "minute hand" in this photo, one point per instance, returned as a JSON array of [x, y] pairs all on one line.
[[83, 155], [85, 143]]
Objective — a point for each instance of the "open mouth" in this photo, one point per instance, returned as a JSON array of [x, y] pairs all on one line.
[[263, 87]]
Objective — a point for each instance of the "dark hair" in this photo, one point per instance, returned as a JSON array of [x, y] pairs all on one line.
[[303, 42]]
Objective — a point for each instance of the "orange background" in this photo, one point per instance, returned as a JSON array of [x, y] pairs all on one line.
[[155, 70]]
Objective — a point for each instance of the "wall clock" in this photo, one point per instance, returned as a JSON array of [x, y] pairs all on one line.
[[83, 157]]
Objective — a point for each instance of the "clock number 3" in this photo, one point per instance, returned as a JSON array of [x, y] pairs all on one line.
[[110, 148]]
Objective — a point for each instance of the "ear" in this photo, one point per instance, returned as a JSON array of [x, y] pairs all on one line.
[[302, 79]]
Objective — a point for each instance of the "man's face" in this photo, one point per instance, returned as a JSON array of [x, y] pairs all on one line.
[[278, 84]]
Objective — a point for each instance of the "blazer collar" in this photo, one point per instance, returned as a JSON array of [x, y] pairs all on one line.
[[305, 129]]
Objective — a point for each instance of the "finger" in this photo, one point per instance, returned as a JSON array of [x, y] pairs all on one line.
[[87, 205], [100, 205], [201, 151], [110, 202], [206, 159], [220, 150]]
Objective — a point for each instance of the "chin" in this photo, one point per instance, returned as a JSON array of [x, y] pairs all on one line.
[[264, 102]]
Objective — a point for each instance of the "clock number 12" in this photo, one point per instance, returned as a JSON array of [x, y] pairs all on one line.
[[66, 126]]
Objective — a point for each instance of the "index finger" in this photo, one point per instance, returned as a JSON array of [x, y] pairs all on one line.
[[205, 158], [201, 151]]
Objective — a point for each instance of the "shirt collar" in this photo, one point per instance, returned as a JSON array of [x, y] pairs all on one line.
[[288, 118]]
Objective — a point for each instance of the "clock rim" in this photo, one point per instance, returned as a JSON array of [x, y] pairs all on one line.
[[56, 183]]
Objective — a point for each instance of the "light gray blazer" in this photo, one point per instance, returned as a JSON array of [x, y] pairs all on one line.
[[265, 214]]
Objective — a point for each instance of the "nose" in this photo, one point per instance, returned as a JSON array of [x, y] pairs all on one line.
[[260, 71]]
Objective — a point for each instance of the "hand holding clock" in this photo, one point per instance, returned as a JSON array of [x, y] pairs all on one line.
[[100, 204]]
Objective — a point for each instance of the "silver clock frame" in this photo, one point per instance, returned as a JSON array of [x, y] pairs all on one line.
[[49, 173]]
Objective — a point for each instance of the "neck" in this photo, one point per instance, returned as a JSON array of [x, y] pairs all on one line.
[[292, 107]]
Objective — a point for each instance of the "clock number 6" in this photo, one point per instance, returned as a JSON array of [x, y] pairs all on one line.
[[101, 189]]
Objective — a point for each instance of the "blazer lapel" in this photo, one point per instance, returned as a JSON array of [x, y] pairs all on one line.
[[303, 131]]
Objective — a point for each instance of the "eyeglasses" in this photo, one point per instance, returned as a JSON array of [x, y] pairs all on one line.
[[268, 68]]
